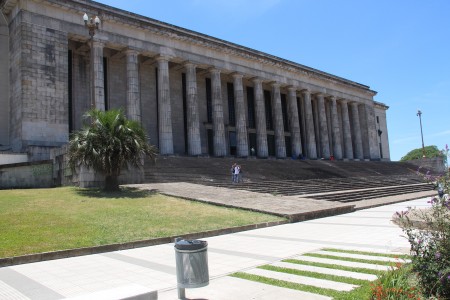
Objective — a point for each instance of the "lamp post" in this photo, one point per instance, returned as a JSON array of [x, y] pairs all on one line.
[[419, 113], [92, 24]]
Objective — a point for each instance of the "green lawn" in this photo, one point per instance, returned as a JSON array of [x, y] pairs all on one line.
[[40, 220]]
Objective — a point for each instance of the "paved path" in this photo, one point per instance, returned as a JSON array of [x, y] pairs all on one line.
[[154, 267], [296, 208]]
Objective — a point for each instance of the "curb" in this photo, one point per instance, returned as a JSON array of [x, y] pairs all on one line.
[[38, 257]]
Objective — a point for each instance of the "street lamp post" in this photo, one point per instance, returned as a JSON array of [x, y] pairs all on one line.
[[92, 24], [419, 113]]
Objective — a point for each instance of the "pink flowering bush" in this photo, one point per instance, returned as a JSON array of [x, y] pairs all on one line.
[[430, 241]]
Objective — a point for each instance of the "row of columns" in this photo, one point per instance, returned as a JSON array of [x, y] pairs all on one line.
[[351, 135]]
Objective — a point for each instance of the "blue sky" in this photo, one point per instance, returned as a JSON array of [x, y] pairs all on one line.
[[400, 48]]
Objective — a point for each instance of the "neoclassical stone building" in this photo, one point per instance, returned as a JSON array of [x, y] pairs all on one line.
[[194, 94]]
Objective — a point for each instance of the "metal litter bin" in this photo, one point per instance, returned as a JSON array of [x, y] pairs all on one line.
[[191, 264]]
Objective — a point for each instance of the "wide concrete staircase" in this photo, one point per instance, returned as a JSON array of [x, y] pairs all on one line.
[[343, 181]]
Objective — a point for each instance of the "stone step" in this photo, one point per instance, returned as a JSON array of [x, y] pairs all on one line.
[[321, 283], [343, 263], [228, 288], [363, 256], [355, 275]]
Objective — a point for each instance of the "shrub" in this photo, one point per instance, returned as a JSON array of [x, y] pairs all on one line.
[[428, 232], [397, 284]]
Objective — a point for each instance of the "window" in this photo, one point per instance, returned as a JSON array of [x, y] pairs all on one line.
[[251, 107], [231, 110]]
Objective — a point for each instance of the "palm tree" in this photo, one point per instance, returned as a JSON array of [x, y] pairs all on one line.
[[108, 144]]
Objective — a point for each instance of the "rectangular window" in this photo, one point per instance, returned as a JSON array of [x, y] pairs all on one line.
[[268, 105], [252, 143], [208, 100], [284, 112], [233, 142], [287, 142], [69, 87], [271, 144], [251, 107], [105, 82], [183, 86], [378, 120], [231, 110], [210, 134]]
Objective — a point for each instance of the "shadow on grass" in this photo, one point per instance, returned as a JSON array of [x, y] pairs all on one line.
[[127, 192]]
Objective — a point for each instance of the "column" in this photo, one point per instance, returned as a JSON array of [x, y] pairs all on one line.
[[241, 117], [310, 136], [323, 127], [294, 123], [164, 108], [98, 88], [335, 130], [260, 114], [217, 114], [357, 131], [374, 150], [346, 132], [192, 114], [277, 116], [133, 99]]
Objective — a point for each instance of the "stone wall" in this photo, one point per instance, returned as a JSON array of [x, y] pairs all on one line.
[[27, 175], [4, 82], [435, 165], [40, 91], [13, 158]]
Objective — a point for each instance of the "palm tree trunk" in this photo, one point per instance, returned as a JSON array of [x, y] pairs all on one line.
[[111, 183]]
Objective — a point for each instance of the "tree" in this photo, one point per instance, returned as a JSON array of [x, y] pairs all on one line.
[[430, 152], [108, 143]]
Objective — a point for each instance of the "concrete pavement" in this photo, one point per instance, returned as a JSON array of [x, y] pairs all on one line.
[[154, 267]]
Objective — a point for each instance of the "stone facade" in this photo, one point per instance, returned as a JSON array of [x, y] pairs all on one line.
[[194, 94]]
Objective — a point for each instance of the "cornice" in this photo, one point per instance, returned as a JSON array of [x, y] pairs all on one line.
[[115, 15]]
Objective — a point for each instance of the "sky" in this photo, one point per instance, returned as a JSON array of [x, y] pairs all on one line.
[[400, 48]]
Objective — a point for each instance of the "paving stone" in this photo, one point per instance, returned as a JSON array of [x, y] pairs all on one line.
[[328, 271], [321, 283], [227, 288], [362, 256], [343, 263]]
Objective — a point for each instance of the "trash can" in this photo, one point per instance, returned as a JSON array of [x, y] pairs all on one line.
[[191, 263]]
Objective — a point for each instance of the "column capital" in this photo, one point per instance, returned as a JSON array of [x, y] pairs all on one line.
[[189, 64], [343, 101], [306, 91], [214, 70], [163, 58], [319, 95], [257, 80], [131, 51], [292, 89], [237, 75], [275, 84], [332, 98], [96, 43]]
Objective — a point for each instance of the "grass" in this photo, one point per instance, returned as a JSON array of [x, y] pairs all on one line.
[[399, 256], [359, 260], [364, 290], [41, 220], [331, 266], [359, 293]]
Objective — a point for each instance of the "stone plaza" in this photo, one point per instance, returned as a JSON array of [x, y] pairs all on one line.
[[194, 94]]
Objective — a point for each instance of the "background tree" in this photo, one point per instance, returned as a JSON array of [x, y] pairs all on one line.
[[430, 152], [108, 143]]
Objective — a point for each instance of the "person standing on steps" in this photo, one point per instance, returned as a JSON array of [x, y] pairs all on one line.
[[237, 170], [233, 177]]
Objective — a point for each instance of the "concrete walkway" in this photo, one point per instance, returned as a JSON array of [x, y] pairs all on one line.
[[154, 267]]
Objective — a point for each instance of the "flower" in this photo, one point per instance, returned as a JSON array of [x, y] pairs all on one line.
[[437, 255]]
